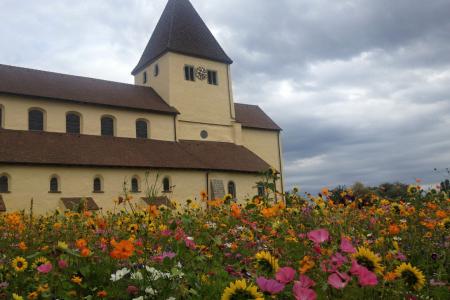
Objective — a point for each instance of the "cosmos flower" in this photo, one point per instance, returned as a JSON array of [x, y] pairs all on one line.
[[319, 236], [269, 286], [285, 275]]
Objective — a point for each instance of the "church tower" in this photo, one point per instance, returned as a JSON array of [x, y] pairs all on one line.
[[187, 67]]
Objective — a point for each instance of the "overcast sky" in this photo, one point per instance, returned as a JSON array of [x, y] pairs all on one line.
[[361, 87]]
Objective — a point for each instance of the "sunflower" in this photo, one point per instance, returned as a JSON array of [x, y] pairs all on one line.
[[412, 276], [267, 262], [19, 264], [366, 258], [240, 290], [412, 189], [39, 262]]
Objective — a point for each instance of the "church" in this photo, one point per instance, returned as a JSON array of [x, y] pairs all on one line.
[[174, 133]]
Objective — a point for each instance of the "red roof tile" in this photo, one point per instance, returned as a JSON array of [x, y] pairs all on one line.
[[252, 116]]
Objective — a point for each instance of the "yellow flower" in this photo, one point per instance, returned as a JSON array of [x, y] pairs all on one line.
[[76, 279], [306, 264], [267, 262], [19, 264], [240, 290], [368, 259], [412, 276], [43, 288], [62, 245], [16, 297]]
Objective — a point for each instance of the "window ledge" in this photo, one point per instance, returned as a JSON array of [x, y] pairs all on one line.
[[136, 192], [98, 192], [167, 192], [8, 192], [58, 192]]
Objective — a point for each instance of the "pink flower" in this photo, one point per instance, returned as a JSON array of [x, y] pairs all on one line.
[[45, 268], [338, 280], [285, 275], [367, 278], [305, 282], [160, 258], [346, 246], [301, 293], [62, 264], [189, 242], [269, 285], [319, 236]]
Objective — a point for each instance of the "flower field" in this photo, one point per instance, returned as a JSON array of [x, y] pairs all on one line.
[[313, 247]]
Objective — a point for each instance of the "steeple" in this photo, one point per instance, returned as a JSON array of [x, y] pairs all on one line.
[[181, 30]]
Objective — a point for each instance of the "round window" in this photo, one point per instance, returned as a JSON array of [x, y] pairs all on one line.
[[156, 70], [204, 134]]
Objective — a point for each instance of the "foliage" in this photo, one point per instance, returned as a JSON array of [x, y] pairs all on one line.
[[324, 247]]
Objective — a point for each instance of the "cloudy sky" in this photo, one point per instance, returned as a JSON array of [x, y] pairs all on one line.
[[361, 87]]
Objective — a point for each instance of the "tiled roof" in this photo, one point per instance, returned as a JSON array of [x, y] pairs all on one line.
[[29, 82], [252, 116], [44, 148], [180, 29]]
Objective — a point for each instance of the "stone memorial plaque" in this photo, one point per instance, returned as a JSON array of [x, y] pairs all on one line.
[[217, 189]]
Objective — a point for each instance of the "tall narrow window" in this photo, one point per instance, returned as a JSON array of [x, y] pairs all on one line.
[[189, 73], [107, 126], [141, 129], [97, 185], [261, 190], [145, 77], [73, 123], [134, 185], [1, 116], [232, 189], [36, 120], [166, 184], [4, 184], [54, 186], [156, 70], [212, 77]]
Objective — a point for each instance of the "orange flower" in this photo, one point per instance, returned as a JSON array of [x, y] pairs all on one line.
[[153, 210], [122, 250], [235, 210], [22, 246], [204, 195], [306, 264], [102, 294], [441, 214], [394, 229], [85, 252], [80, 243], [390, 276], [325, 192]]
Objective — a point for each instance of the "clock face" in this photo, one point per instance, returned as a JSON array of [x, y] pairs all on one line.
[[201, 73]]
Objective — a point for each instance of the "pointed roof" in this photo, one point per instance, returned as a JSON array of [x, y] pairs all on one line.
[[180, 29]]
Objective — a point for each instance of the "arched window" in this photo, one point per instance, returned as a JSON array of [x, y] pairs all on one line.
[[134, 185], [141, 129], [36, 120], [2, 118], [261, 190], [166, 185], [232, 189], [107, 126], [73, 123], [4, 184], [97, 185], [54, 185]]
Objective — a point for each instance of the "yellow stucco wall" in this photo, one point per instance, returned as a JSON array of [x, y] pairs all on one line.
[[28, 182], [16, 117], [266, 144]]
